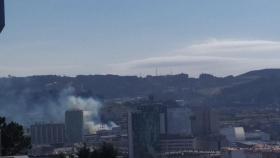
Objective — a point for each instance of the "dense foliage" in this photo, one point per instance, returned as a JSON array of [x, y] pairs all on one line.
[[106, 151], [12, 138]]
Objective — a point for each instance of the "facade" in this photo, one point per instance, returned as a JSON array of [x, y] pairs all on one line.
[[144, 131], [254, 152], [74, 126], [257, 135], [2, 15], [233, 134], [47, 134], [192, 154], [204, 121], [176, 143], [119, 141], [178, 120]]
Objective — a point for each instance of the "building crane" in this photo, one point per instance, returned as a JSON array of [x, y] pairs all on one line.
[[2, 15]]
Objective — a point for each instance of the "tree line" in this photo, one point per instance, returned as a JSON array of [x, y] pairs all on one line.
[[105, 151]]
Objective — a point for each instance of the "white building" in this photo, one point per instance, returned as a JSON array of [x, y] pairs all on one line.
[[233, 134]]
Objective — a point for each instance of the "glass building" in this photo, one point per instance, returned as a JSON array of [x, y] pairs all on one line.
[[144, 132]]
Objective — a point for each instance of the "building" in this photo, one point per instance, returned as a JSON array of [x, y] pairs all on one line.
[[144, 130], [257, 151], [74, 126], [47, 134], [206, 128], [114, 137], [204, 121], [2, 15], [257, 135], [178, 120], [192, 154], [233, 134], [176, 143]]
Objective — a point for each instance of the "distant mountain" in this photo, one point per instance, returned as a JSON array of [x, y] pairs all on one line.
[[255, 88], [265, 73]]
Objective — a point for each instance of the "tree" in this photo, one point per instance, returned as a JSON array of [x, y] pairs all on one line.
[[61, 155], [105, 151], [13, 140], [84, 152], [108, 151], [95, 154]]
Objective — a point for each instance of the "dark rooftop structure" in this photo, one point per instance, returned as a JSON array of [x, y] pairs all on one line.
[[2, 15]]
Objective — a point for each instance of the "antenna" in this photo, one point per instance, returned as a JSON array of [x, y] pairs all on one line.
[[156, 71]]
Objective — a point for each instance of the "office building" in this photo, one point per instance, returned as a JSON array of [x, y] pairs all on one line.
[[204, 121], [2, 15], [47, 134], [178, 120], [74, 126], [144, 131]]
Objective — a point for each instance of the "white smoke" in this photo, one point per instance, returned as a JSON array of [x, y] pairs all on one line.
[[53, 110], [90, 108]]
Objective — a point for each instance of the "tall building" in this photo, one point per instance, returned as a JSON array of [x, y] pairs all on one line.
[[47, 134], [74, 126], [178, 120], [205, 127], [144, 131], [204, 121], [2, 15]]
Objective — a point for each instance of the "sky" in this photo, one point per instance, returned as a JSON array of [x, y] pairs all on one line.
[[130, 37]]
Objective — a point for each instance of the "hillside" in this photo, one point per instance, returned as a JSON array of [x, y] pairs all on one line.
[[28, 94]]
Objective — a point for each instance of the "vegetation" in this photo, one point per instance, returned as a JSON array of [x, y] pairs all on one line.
[[12, 137], [106, 151]]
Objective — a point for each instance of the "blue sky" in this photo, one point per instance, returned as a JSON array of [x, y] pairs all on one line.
[[129, 37]]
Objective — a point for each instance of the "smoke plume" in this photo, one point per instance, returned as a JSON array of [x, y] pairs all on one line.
[[22, 110]]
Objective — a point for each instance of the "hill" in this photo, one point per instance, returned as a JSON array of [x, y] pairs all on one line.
[[40, 94]]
